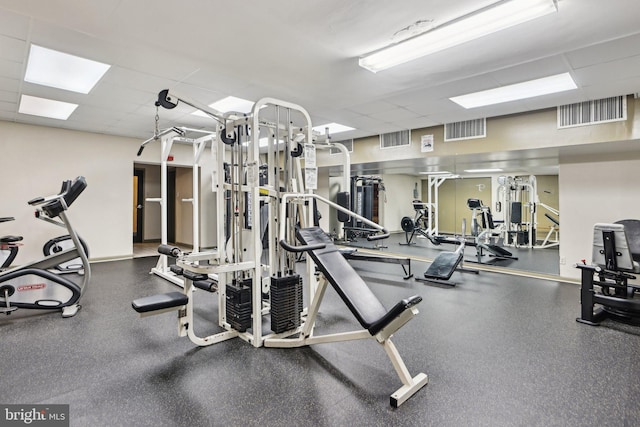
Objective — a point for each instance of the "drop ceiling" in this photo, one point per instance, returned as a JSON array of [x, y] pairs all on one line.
[[306, 53]]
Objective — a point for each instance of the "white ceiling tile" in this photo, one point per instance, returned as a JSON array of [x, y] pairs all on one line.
[[393, 115], [8, 106], [13, 24], [12, 49], [605, 52], [11, 69], [9, 84], [8, 96], [371, 107], [621, 69]]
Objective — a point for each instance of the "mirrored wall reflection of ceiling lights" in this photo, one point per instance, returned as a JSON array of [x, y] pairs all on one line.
[[491, 19], [48, 67]]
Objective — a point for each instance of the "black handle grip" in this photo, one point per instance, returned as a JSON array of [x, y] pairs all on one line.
[[171, 251], [36, 200], [384, 235], [304, 248], [140, 150]]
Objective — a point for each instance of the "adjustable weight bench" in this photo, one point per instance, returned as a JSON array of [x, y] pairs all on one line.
[[377, 321]]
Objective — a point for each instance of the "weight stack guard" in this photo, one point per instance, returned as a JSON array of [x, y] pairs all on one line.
[[239, 304], [286, 303]]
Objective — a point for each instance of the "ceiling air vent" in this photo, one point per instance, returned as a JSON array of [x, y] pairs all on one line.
[[604, 110], [395, 139], [347, 143], [469, 129]]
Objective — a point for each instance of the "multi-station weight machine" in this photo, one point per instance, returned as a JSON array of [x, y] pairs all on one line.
[[269, 221], [518, 199], [198, 139]]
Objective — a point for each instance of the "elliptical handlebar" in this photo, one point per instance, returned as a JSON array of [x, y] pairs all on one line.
[[60, 202]]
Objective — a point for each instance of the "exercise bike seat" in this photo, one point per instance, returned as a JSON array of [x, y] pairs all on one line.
[[10, 239]]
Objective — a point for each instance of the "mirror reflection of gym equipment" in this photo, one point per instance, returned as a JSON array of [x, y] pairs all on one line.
[[528, 240]]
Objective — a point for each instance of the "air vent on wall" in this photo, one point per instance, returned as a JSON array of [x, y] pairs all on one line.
[[469, 129], [347, 143], [592, 112], [395, 139]]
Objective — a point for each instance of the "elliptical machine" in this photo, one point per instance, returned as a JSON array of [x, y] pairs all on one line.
[[32, 286], [10, 246]]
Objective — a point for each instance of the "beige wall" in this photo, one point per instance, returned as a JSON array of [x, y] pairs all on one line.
[[593, 191], [395, 202], [452, 202], [36, 159]]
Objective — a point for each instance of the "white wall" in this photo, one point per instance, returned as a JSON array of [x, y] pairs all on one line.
[[35, 160], [399, 195], [593, 191]]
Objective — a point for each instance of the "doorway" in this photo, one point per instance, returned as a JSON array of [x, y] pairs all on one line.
[[138, 205], [147, 224]]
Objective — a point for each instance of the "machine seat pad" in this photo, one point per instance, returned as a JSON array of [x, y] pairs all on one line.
[[10, 239], [159, 302], [194, 276], [364, 305], [444, 265], [176, 270], [206, 285]]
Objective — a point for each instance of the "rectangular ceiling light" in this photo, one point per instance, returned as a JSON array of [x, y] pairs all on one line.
[[436, 173], [49, 67], [482, 170], [529, 89], [491, 19], [230, 103], [333, 128], [46, 107]]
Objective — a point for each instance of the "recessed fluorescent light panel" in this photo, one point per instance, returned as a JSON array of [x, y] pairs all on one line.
[[49, 67], [491, 19], [333, 128], [436, 173], [45, 107], [482, 170], [530, 89], [230, 103]]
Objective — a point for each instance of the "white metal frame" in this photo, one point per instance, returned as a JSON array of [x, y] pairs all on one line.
[[239, 257], [167, 139]]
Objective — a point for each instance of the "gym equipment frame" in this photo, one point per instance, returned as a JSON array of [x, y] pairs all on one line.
[[167, 138], [257, 284], [612, 263]]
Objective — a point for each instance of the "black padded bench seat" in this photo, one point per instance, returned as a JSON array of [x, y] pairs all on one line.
[[159, 302], [352, 289], [444, 265]]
